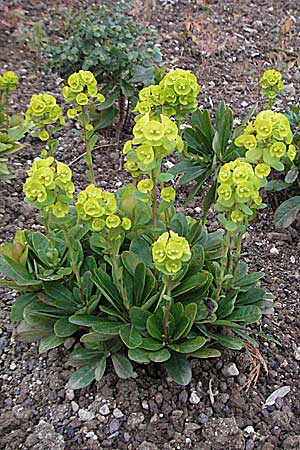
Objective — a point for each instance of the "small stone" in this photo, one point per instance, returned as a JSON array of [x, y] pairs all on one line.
[[249, 430], [104, 410], [191, 427], [293, 259], [114, 426], [135, 419], [202, 418], [126, 437], [118, 413], [230, 370], [91, 435], [145, 445], [145, 404], [75, 407], [13, 366], [274, 251], [194, 398], [70, 394], [85, 415], [250, 445]]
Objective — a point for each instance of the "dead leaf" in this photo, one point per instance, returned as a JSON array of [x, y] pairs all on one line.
[[279, 393]]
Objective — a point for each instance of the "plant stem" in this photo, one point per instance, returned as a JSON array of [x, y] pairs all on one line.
[[168, 306], [74, 263], [89, 159], [237, 256], [154, 199], [223, 266]]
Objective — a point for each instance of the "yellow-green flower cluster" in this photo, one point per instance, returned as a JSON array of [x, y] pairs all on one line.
[[81, 87], [271, 83], [170, 251], [50, 185], [176, 93], [100, 209], [43, 110], [267, 139], [239, 185], [154, 138], [8, 81]]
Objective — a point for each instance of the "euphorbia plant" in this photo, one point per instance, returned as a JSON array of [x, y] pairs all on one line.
[[12, 127], [124, 273]]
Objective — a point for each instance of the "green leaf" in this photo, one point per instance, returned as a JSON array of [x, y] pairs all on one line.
[[49, 342], [27, 333], [140, 247], [139, 355], [85, 320], [247, 314], [287, 212], [106, 327], [189, 345], [63, 328], [160, 355], [139, 282], [17, 309], [130, 336], [292, 175], [226, 306], [151, 344], [82, 377], [276, 185], [179, 369], [206, 353], [138, 317], [251, 296], [100, 368], [122, 366], [191, 313], [155, 327], [189, 284], [231, 342]]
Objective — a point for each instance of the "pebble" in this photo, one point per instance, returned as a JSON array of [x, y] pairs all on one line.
[[70, 395], [274, 251], [250, 445], [194, 398], [104, 410], [249, 430], [114, 426], [13, 366], [145, 404], [85, 415], [230, 370], [75, 407], [118, 413], [135, 419], [92, 435]]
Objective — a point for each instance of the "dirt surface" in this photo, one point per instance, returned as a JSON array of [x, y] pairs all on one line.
[[235, 41]]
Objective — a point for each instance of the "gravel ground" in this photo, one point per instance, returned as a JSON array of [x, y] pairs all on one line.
[[236, 40]]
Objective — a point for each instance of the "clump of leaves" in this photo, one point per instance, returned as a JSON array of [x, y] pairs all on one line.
[[124, 273], [288, 211], [12, 127], [117, 49]]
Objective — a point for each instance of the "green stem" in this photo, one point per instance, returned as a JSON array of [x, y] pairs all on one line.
[[89, 159], [223, 266], [120, 283], [168, 306], [154, 199], [237, 257], [74, 263]]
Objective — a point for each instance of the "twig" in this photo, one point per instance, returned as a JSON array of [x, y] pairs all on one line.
[[257, 362]]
